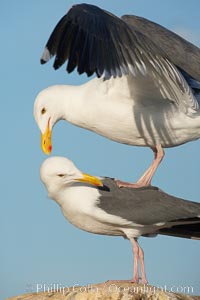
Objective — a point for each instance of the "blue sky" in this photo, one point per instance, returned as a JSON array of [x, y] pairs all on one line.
[[38, 245]]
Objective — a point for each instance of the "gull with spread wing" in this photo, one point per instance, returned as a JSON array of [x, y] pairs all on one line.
[[147, 89]]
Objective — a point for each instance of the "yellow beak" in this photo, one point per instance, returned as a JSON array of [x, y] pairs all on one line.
[[46, 144], [91, 180]]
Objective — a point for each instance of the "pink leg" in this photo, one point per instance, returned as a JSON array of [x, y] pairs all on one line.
[[138, 255], [143, 273], [146, 178], [135, 262]]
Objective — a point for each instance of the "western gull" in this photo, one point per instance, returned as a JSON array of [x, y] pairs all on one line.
[[147, 89], [97, 205]]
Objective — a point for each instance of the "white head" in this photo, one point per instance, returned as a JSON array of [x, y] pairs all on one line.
[[59, 172], [47, 111]]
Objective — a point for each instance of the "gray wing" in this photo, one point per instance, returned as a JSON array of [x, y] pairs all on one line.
[[145, 206], [181, 53], [95, 41]]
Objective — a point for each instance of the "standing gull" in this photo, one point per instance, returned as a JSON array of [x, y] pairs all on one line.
[[143, 94], [98, 206]]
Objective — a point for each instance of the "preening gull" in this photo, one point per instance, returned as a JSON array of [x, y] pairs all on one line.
[[97, 205], [147, 89]]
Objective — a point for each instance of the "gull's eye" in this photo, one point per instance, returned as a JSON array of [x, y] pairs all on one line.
[[43, 111], [60, 175]]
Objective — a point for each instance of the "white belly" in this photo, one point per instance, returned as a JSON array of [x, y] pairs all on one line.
[[142, 126]]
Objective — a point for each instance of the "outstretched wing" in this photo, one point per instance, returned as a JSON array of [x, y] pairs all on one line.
[[95, 41], [182, 53]]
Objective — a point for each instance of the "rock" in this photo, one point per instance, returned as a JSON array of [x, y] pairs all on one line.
[[111, 290]]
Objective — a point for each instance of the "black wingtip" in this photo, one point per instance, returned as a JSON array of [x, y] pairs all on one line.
[[57, 64], [42, 61], [46, 56]]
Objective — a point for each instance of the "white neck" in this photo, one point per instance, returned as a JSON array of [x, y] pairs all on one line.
[[69, 103], [66, 101]]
